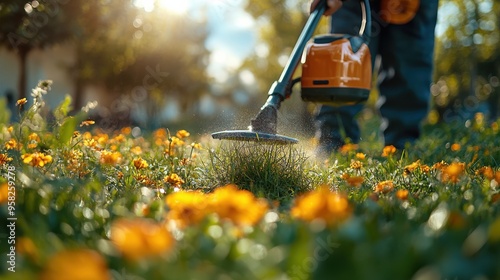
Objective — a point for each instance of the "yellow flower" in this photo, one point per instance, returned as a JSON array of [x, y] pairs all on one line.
[[34, 137], [78, 264], [174, 142], [182, 134], [240, 207], [136, 239], [322, 204], [36, 159], [455, 147], [388, 151], [411, 168], [87, 123], [112, 158], [139, 163], [196, 146], [4, 159], [137, 150], [360, 156], [356, 164], [402, 194], [384, 186], [21, 102], [118, 138], [452, 172], [4, 193], [11, 144], [187, 207], [174, 180]]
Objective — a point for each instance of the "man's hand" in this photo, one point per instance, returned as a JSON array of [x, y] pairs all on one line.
[[333, 6]]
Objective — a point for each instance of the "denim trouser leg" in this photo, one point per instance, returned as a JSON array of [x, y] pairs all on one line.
[[407, 59], [407, 53]]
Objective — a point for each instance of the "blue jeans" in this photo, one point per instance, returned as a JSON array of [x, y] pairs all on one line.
[[406, 53]]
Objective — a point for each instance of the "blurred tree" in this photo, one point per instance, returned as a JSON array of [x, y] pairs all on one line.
[[117, 45], [151, 56], [467, 60], [28, 25]]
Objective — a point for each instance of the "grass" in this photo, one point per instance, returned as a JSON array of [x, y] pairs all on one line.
[[91, 204], [276, 172]]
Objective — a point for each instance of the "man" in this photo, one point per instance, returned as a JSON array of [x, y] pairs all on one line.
[[406, 49]]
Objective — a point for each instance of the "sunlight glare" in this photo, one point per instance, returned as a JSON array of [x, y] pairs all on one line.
[[175, 6], [171, 6]]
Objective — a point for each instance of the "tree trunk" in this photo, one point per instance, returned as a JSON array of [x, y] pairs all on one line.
[[23, 69]]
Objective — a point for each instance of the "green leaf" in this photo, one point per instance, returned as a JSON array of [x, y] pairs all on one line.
[[67, 129], [63, 109]]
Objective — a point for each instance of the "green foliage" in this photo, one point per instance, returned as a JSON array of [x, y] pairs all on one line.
[[447, 226], [277, 172]]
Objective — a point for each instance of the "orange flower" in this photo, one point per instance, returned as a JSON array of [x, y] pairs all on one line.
[[388, 151], [355, 181], [439, 165], [25, 246], [21, 102], [347, 148], [87, 123], [4, 159], [238, 206], [139, 163], [384, 186], [455, 147], [187, 207], [4, 193], [174, 180], [456, 220], [126, 130], [402, 194], [140, 238], [182, 134], [112, 158], [322, 204], [36, 159], [160, 133], [452, 172], [360, 156], [79, 264], [486, 171]]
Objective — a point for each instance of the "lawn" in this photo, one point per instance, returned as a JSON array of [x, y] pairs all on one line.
[[82, 203]]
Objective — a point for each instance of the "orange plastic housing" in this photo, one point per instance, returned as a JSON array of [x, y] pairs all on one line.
[[335, 75]]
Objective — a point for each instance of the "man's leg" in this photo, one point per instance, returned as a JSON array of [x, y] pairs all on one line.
[[335, 124], [407, 57]]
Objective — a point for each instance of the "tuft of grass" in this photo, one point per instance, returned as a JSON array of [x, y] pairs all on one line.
[[277, 172]]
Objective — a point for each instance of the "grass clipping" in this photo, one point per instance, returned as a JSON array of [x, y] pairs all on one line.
[[277, 172]]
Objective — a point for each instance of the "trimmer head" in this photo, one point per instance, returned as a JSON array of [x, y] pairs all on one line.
[[248, 135]]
